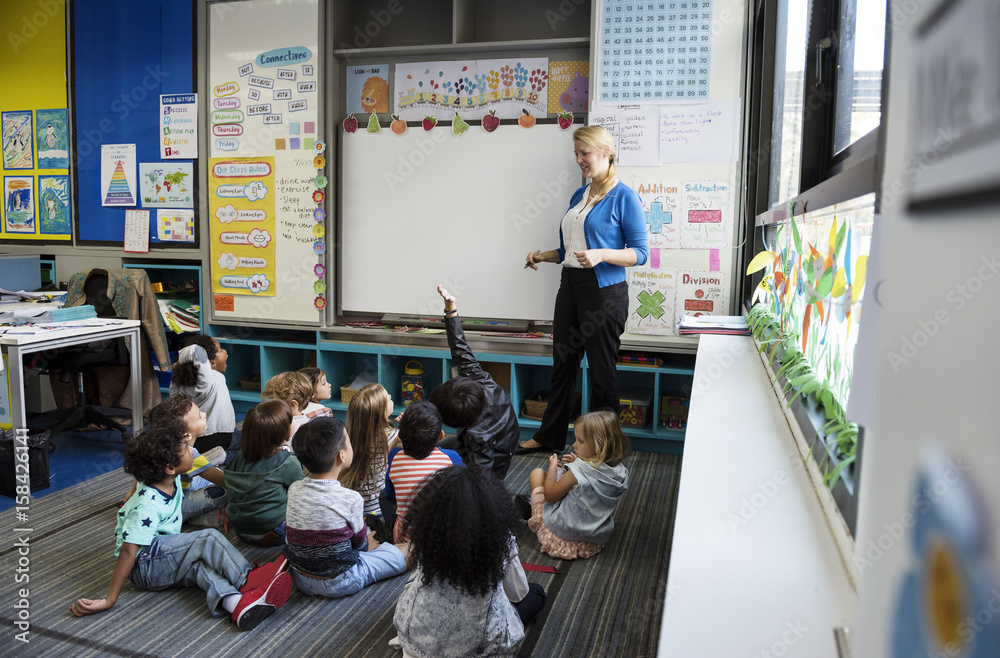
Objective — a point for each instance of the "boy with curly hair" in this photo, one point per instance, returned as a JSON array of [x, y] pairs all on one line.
[[294, 388], [151, 550]]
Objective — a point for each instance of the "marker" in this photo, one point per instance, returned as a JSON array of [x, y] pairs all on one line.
[[538, 252]]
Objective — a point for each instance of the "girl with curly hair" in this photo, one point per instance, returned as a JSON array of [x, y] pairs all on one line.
[[468, 594]]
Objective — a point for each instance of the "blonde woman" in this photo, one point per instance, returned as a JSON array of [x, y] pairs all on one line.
[[602, 233]]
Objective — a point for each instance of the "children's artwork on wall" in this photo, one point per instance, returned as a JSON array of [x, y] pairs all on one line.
[[52, 139], [175, 225], [53, 204], [652, 295], [569, 86], [661, 202], [118, 184], [368, 88], [166, 184], [470, 87], [706, 215], [16, 132], [19, 204]]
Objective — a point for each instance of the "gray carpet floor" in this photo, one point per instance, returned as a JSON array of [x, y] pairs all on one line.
[[609, 605]]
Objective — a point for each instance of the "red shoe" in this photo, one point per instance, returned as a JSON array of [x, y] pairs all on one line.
[[267, 589]]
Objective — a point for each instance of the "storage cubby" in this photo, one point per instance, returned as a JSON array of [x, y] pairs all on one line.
[[360, 25], [524, 20], [275, 360], [181, 285], [243, 364], [392, 366], [341, 368]]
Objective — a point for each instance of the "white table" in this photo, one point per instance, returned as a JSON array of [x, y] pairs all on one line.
[[754, 568], [18, 340]]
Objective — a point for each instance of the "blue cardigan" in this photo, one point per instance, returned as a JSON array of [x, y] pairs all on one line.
[[615, 222]]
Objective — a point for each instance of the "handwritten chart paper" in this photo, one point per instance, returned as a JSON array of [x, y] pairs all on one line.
[[706, 215], [700, 293], [654, 52], [661, 203], [137, 231], [652, 295], [700, 133], [635, 131]]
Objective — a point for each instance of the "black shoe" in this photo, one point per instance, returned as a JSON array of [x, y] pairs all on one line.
[[527, 451], [378, 526], [523, 506]]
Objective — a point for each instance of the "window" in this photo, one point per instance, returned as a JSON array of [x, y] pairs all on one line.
[[817, 79], [859, 70]]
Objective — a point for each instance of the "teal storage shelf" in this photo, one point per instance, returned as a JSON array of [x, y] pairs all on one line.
[[266, 352]]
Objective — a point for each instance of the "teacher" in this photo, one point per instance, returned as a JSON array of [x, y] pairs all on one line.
[[602, 233]]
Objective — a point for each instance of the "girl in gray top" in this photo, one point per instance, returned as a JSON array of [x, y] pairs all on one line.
[[461, 527], [571, 508]]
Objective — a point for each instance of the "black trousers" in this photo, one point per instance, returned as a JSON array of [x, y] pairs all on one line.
[[587, 319]]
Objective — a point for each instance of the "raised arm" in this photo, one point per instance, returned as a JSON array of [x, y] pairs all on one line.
[[467, 364]]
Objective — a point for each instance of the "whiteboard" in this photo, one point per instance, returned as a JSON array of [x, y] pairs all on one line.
[[428, 208], [239, 32]]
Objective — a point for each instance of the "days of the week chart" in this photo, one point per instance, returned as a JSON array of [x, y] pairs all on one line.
[[655, 51]]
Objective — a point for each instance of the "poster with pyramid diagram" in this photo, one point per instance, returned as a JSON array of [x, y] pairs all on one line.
[[118, 175]]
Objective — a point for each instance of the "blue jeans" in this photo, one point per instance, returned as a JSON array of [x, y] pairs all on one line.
[[203, 558], [384, 562], [200, 501], [388, 508], [255, 539]]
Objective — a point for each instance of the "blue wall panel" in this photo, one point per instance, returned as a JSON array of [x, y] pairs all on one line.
[[125, 54]]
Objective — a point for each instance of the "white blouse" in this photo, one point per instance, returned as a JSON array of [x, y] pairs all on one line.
[[572, 230]]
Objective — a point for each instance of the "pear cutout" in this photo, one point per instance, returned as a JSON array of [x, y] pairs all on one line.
[[373, 125], [459, 126]]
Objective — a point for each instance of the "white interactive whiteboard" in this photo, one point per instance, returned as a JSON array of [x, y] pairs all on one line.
[[428, 208]]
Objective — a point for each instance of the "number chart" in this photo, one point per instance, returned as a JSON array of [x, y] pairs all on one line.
[[653, 52]]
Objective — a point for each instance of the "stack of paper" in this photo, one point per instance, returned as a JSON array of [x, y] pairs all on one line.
[[49, 314], [733, 325]]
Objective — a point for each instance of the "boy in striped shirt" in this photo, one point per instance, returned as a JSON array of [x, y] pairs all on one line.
[[411, 465], [329, 548]]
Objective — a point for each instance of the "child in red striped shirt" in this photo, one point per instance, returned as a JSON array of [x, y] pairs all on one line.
[[411, 465]]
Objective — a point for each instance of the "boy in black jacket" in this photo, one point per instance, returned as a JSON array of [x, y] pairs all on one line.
[[474, 404]]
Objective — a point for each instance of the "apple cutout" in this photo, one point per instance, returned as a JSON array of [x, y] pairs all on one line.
[[490, 121], [350, 124]]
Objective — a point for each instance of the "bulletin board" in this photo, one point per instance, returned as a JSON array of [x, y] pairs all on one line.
[[36, 201], [267, 180], [126, 54], [690, 180]]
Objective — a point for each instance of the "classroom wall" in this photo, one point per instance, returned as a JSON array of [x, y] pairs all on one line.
[[33, 70], [935, 361]]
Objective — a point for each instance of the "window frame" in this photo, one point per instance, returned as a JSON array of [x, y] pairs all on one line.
[[826, 177]]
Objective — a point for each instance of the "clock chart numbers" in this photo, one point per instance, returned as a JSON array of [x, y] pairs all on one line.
[[655, 51]]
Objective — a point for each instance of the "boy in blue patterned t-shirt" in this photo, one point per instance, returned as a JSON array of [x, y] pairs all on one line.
[[152, 551]]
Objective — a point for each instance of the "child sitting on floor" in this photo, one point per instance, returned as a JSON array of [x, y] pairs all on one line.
[[294, 388], [420, 431], [469, 595], [329, 548], [371, 432], [257, 480], [571, 511], [151, 550], [204, 484], [475, 404], [199, 373], [321, 391]]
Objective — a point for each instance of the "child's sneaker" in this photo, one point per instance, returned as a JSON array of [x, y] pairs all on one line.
[[267, 589]]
